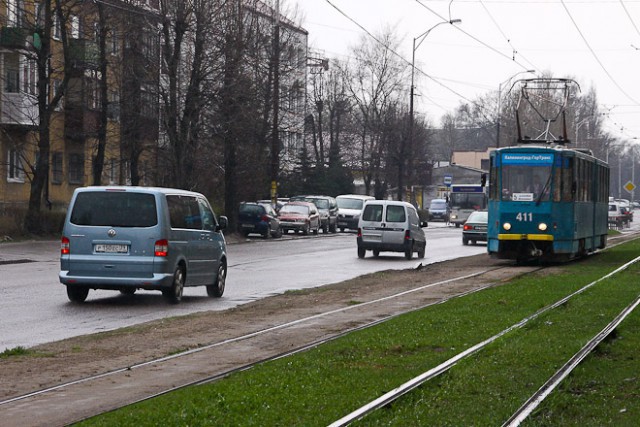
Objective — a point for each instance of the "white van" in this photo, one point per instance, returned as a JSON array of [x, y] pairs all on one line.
[[349, 210], [129, 238], [389, 225]]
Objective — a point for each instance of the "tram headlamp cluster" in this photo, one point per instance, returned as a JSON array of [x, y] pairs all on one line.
[[542, 226], [506, 226]]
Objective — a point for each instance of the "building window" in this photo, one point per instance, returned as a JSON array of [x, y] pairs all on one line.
[[11, 73], [113, 45], [15, 13], [113, 107], [56, 168], [75, 26], [93, 91], [15, 169], [57, 32], [113, 171], [76, 168], [29, 84], [57, 84]]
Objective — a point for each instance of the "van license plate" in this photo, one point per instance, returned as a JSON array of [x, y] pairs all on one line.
[[112, 249]]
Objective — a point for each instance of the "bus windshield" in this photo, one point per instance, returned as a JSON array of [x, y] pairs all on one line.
[[475, 201]]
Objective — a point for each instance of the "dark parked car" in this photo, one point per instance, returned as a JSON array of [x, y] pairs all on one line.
[[299, 217], [475, 229], [258, 218], [327, 208]]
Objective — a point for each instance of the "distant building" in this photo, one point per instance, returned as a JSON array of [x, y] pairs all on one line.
[[473, 159]]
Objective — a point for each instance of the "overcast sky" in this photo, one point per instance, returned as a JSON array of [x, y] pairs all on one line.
[[596, 42]]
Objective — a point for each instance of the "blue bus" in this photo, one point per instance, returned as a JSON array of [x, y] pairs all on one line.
[[546, 202], [464, 199]]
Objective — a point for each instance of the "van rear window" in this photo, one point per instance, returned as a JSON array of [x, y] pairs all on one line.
[[114, 209]]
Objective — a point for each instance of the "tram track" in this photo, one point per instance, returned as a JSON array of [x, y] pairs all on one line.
[[531, 403], [141, 381]]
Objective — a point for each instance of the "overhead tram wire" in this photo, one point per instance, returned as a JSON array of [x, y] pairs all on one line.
[[586, 42], [510, 58], [399, 56], [433, 79], [629, 16], [513, 48]]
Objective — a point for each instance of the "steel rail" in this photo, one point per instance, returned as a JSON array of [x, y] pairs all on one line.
[[247, 336], [446, 365], [536, 399]]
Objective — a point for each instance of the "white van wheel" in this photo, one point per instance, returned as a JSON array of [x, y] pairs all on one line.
[[422, 250], [361, 252], [174, 295], [217, 289]]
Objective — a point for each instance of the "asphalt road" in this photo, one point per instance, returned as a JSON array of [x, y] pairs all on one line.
[[35, 308]]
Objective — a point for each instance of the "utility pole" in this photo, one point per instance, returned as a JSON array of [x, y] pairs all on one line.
[[275, 135]]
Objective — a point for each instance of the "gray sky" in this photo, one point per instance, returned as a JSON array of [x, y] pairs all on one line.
[[596, 42]]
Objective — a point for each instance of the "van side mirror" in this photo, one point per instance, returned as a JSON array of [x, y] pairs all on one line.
[[223, 222]]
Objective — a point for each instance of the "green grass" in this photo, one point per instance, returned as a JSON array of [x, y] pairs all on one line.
[[322, 385]]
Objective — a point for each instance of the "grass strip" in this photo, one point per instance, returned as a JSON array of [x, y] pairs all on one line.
[[323, 384]]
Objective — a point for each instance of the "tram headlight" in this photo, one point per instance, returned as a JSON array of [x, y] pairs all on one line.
[[542, 226], [506, 226]]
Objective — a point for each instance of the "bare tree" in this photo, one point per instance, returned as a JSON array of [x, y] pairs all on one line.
[[375, 81]]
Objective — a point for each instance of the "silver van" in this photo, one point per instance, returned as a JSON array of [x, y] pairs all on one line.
[[388, 225], [129, 238]]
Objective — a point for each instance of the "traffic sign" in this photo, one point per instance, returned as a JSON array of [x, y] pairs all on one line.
[[448, 179], [629, 186]]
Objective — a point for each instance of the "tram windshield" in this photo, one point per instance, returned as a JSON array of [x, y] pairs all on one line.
[[526, 178]]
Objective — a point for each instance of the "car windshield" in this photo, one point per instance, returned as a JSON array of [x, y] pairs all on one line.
[[321, 203], [297, 209], [347, 203], [478, 217], [438, 205]]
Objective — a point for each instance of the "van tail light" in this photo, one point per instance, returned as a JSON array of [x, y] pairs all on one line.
[[65, 247], [264, 218], [359, 232], [161, 247], [407, 235]]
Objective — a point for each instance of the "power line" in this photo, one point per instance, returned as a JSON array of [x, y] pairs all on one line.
[[586, 42]]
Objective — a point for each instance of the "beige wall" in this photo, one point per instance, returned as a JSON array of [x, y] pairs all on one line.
[[472, 159]]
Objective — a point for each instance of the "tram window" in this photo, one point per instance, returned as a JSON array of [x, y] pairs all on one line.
[[557, 187], [534, 180], [567, 180]]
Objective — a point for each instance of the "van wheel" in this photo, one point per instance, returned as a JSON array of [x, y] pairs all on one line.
[[128, 291], [77, 293], [361, 252], [217, 289], [332, 228], [174, 295], [408, 254], [422, 250], [376, 253]]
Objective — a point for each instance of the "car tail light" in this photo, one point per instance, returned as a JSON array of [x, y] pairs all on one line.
[[359, 232], [264, 218], [467, 227], [161, 247], [65, 248], [407, 235]]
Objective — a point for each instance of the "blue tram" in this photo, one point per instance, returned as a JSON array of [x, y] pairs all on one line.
[[546, 202]]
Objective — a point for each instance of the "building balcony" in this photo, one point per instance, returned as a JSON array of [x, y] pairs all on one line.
[[18, 109], [14, 38], [80, 123], [83, 53]]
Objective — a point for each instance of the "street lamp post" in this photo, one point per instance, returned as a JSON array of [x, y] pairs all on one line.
[[421, 37], [578, 126], [500, 103]]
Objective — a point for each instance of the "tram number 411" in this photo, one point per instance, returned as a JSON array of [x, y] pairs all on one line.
[[524, 217]]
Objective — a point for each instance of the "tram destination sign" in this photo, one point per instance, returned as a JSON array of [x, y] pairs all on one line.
[[528, 159]]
